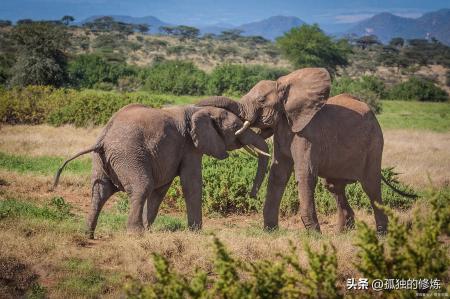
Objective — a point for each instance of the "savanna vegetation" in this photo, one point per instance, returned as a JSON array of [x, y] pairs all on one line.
[[60, 83]]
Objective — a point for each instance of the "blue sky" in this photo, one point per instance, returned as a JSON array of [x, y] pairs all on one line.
[[201, 12]]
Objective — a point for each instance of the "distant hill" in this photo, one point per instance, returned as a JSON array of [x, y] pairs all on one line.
[[272, 27], [386, 26], [153, 22]]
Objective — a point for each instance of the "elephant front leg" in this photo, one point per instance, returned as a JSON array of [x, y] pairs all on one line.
[[191, 183], [280, 172], [153, 202], [305, 168]]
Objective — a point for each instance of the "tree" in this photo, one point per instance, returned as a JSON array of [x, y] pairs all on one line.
[[143, 28], [5, 23], [42, 58], [67, 20], [308, 46], [366, 41], [397, 42], [231, 34]]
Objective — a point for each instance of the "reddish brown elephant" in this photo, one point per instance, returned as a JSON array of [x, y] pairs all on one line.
[[141, 150], [339, 140]]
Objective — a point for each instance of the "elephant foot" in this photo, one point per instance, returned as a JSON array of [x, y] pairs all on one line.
[[270, 225], [310, 224], [381, 229], [135, 229], [195, 227]]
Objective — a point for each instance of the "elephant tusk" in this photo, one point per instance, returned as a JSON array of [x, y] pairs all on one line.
[[251, 152], [244, 127], [259, 151]]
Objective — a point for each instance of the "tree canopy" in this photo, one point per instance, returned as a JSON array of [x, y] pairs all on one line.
[[309, 46]]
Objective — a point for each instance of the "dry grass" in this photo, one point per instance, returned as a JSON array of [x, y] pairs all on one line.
[[418, 155], [45, 140]]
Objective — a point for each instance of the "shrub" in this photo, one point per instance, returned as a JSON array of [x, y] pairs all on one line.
[[227, 183], [40, 104], [91, 107], [87, 70], [368, 89], [417, 89], [408, 251], [175, 77], [235, 79], [232, 278]]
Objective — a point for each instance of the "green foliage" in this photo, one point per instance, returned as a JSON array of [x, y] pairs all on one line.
[[409, 250], [309, 46], [96, 107], [417, 89], [86, 70], [41, 57], [175, 77], [56, 210], [234, 79], [232, 278], [40, 104], [42, 165], [368, 89], [168, 224]]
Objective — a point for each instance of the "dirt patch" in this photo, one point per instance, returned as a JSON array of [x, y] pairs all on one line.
[[16, 278]]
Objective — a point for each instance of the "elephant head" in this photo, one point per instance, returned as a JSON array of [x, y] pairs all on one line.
[[213, 133], [297, 96]]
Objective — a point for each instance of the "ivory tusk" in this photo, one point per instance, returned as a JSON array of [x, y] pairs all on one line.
[[251, 152], [259, 151], [244, 127]]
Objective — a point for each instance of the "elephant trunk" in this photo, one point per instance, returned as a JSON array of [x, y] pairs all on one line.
[[251, 138], [224, 103], [238, 108]]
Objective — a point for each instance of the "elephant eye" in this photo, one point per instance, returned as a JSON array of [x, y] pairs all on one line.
[[260, 99]]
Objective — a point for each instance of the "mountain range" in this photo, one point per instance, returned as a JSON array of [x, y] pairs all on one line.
[[384, 25]]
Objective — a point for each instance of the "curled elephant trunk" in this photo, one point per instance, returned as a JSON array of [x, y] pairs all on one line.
[[224, 103], [256, 143]]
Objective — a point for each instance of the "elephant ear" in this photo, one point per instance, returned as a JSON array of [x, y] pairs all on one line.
[[307, 90], [205, 136]]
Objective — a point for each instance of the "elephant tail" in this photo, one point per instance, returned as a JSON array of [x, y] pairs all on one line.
[[402, 193], [58, 173]]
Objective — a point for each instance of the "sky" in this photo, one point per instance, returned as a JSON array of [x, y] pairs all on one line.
[[207, 12]]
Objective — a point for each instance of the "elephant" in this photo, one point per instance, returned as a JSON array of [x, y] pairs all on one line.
[[142, 149], [338, 139]]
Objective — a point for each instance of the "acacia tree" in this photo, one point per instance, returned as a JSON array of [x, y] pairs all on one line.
[[67, 20], [41, 54], [309, 46]]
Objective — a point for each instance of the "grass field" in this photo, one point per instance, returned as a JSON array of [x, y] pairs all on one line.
[[44, 252]]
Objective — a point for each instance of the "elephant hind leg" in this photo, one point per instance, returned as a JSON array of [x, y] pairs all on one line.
[[372, 186], [102, 189], [346, 216]]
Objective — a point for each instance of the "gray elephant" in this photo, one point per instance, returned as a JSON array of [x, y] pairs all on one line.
[[141, 150], [339, 140]]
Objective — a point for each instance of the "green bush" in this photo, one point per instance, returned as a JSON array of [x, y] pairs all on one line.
[[409, 250], [87, 70], [236, 79], [91, 107], [232, 278], [175, 77], [41, 104], [415, 251], [227, 184], [417, 89], [368, 89]]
